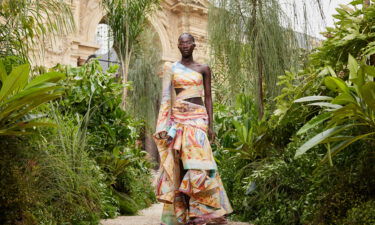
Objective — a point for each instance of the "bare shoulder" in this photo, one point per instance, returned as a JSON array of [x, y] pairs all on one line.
[[204, 68]]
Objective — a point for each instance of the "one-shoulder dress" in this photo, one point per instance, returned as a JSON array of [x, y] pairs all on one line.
[[188, 183]]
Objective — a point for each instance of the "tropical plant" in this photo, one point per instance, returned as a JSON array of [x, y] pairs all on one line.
[[352, 33], [19, 96], [25, 24], [350, 115], [127, 19], [49, 178], [249, 40], [113, 134]]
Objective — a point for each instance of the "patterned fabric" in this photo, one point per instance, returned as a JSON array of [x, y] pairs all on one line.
[[188, 181]]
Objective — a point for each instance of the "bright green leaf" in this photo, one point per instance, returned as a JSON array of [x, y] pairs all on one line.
[[336, 84], [353, 67], [368, 94], [314, 122], [313, 98], [343, 98], [317, 139]]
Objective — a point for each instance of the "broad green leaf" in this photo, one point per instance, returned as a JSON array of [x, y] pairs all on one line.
[[24, 125], [353, 67], [342, 145], [51, 77], [13, 133], [32, 92], [336, 138], [116, 151], [27, 100], [326, 104], [343, 98], [317, 139], [336, 84], [35, 104], [368, 94], [313, 98], [16, 79], [359, 80], [3, 72], [244, 133], [314, 122], [369, 70], [356, 2]]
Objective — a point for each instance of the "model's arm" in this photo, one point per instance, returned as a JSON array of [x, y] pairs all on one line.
[[208, 100]]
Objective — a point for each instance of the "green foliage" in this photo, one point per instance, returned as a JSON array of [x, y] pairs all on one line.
[[351, 111], [49, 178], [90, 90], [27, 23], [114, 135], [252, 43], [146, 85], [19, 96], [353, 33], [127, 19], [361, 214], [278, 189]]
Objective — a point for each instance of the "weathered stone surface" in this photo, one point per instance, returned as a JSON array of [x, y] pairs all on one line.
[[174, 18]]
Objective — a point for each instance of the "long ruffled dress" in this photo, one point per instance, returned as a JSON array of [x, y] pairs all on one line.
[[188, 181]]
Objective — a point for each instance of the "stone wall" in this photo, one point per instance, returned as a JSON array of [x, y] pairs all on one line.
[[174, 18]]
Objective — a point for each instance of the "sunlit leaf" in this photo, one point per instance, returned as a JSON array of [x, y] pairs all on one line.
[[368, 94], [336, 84], [343, 98], [313, 98], [326, 104], [317, 139], [314, 122]]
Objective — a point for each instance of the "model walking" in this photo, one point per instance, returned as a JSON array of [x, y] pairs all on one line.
[[188, 181]]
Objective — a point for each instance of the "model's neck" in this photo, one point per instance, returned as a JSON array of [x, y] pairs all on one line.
[[187, 60]]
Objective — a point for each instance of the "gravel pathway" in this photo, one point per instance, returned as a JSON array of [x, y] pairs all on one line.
[[149, 216]]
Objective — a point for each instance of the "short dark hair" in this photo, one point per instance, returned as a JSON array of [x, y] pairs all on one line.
[[189, 35]]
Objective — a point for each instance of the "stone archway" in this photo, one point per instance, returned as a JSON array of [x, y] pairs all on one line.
[[92, 14], [174, 17]]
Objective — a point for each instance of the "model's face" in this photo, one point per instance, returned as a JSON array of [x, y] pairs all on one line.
[[186, 46]]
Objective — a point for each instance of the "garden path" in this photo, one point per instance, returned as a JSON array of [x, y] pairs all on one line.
[[149, 216]]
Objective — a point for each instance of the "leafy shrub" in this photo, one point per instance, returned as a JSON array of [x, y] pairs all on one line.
[[113, 134], [50, 179], [19, 96], [363, 214]]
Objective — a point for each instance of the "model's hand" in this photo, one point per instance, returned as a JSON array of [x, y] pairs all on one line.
[[211, 135], [169, 139]]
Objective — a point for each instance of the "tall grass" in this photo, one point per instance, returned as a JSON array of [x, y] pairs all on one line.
[[55, 180]]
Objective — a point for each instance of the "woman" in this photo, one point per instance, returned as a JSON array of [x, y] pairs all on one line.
[[188, 181]]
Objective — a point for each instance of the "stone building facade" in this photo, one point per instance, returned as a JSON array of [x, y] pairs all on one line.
[[173, 18]]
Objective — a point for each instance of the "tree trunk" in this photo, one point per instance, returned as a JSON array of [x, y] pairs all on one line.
[[259, 61], [125, 69], [366, 3], [260, 88], [124, 81]]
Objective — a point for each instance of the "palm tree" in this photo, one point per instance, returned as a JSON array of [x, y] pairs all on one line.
[[26, 23], [127, 19]]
